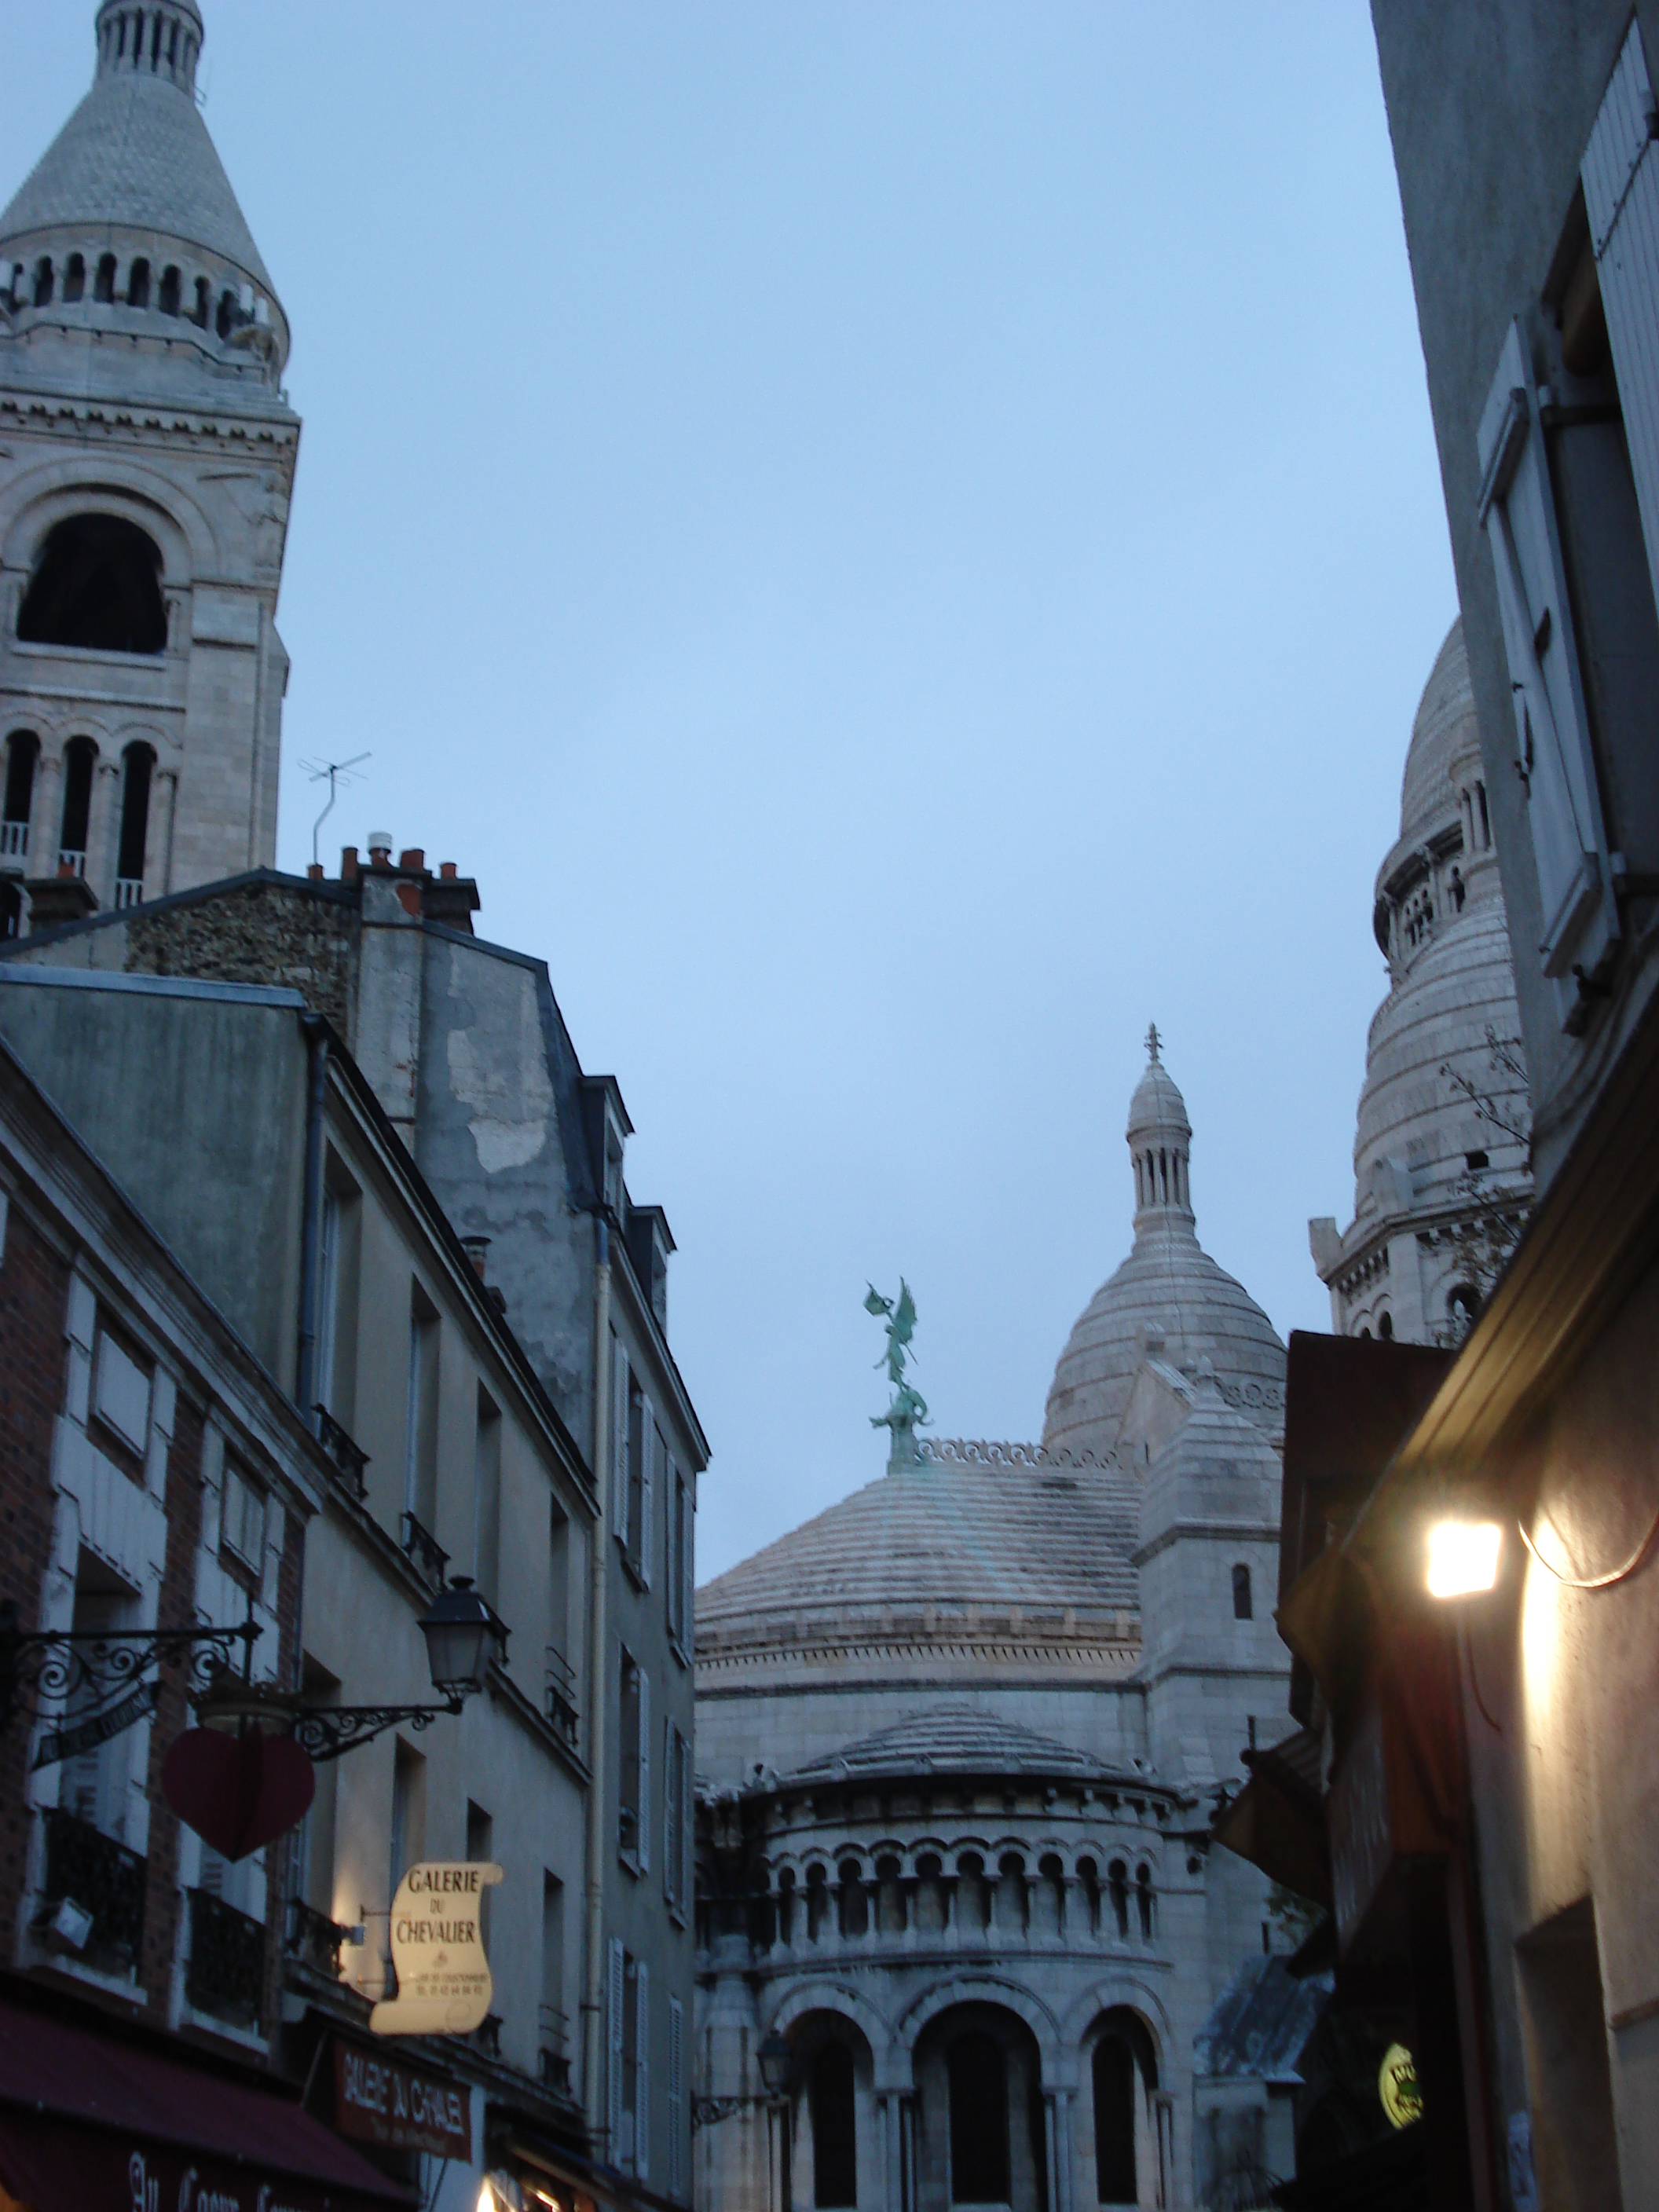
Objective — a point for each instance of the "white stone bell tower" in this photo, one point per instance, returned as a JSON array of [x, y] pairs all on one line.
[[147, 456]]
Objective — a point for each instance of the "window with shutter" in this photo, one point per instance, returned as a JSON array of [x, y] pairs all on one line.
[[687, 1566], [688, 1831], [671, 1784], [642, 2073], [617, 2000], [619, 1380], [651, 1459], [1620, 176], [644, 1826], [1552, 744], [676, 2096]]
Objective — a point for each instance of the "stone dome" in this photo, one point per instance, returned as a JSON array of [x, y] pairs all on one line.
[[1169, 1297], [136, 158], [1445, 738]]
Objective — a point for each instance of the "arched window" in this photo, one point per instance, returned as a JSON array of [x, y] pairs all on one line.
[[1385, 1327], [80, 754], [138, 283], [978, 2076], [103, 285], [22, 750], [1144, 1898], [1462, 1309], [98, 584], [854, 1901], [168, 302], [137, 762], [835, 2141], [74, 277], [43, 281], [1114, 2121], [226, 320], [204, 306], [1117, 1883], [1243, 1609]]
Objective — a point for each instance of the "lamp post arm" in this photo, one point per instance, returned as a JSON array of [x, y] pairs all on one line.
[[326, 1731], [61, 1662]]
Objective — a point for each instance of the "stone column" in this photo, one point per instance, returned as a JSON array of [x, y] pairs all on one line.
[[46, 813], [103, 825], [158, 837]]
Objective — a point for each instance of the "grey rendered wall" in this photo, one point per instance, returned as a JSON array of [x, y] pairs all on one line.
[[1490, 105], [197, 1108]]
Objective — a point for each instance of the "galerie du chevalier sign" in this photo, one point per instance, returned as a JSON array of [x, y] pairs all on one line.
[[437, 1951]]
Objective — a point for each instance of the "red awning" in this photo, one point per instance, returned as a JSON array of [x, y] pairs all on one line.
[[96, 2123]]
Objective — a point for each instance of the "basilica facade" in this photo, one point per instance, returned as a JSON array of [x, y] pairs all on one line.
[[960, 1742]]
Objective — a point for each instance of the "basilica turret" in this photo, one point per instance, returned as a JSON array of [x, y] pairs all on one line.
[[1442, 1178], [149, 458]]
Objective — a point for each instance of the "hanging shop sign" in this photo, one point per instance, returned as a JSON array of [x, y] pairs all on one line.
[[1396, 2085], [437, 1951], [88, 1733], [379, 2100]]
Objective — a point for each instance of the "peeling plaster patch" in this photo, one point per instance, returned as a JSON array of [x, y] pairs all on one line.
[[503, 1077]]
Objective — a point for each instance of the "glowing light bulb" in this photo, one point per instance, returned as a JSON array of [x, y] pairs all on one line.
[[1463, 1557]]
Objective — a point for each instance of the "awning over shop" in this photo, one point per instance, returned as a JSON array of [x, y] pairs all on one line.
[[97, 2121], [1278, 1819]]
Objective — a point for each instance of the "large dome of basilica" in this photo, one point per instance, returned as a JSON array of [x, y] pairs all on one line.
[[1169, 1298]]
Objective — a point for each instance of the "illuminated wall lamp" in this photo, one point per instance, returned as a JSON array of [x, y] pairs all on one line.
[[1463, 1557]]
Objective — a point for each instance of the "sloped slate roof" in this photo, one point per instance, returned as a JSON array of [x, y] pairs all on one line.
[[950, 1740], [137, 153], [930, 1544], [1260, 2025]]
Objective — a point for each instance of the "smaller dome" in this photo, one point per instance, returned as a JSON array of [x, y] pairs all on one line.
[[1168, 1296]]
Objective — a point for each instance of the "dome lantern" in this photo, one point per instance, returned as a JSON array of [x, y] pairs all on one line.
[[161, 41], [1160, 1139]]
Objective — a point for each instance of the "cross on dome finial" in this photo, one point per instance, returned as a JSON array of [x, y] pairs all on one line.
[[1152, 1041]]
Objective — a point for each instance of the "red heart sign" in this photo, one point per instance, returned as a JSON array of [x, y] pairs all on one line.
[[238, 1791]]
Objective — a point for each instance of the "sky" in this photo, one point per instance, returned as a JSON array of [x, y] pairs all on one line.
[[900, 544]]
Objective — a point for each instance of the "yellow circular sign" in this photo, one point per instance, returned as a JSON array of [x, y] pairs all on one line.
[[1396, 2085]]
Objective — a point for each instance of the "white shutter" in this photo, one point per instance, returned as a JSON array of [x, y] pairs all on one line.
[[642, 2072], [688, 1828], [688, 1570], [618, 1437], [670, 1807], [676, 2095], [617, 1997], [649, 1443], [1621, 175], [1517, 510], [643, 1826]]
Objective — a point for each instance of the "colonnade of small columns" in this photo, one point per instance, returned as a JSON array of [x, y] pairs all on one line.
[[995, 1897]]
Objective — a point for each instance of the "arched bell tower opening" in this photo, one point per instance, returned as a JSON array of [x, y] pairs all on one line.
[[97, 588]]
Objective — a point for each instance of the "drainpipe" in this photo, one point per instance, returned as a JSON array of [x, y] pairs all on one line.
[[598, 1565], [310, 1235]]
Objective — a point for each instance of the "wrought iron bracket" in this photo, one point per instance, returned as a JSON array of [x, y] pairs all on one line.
[[324, 1731], [62, 1663]]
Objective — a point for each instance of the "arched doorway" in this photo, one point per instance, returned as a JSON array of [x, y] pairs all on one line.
[[97, 585], [981, 2132], [832, 2160], [1119, 2154]]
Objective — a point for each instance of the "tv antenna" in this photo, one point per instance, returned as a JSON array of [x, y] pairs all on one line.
[[338, 772]]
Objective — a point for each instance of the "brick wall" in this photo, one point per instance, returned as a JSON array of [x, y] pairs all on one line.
[[163, 1905]]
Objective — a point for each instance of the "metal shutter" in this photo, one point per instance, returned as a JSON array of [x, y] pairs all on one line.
[[676, 2096], [642, 2071], [643, 1826]]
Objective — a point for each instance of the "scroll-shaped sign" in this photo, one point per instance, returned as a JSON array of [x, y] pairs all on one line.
[[437, 1950]]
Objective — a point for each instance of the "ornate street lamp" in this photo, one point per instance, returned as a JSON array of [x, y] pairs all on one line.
[[776, 2062]]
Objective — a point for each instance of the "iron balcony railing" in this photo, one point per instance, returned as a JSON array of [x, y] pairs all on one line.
[[227, 1971], [349, 1456], [553, 2054], [69, 858], [103, 1878], [314, 1940], [129, 891], [562, 1694], [423, 1547]]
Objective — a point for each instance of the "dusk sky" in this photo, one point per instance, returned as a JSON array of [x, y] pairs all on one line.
[[899, 543]]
